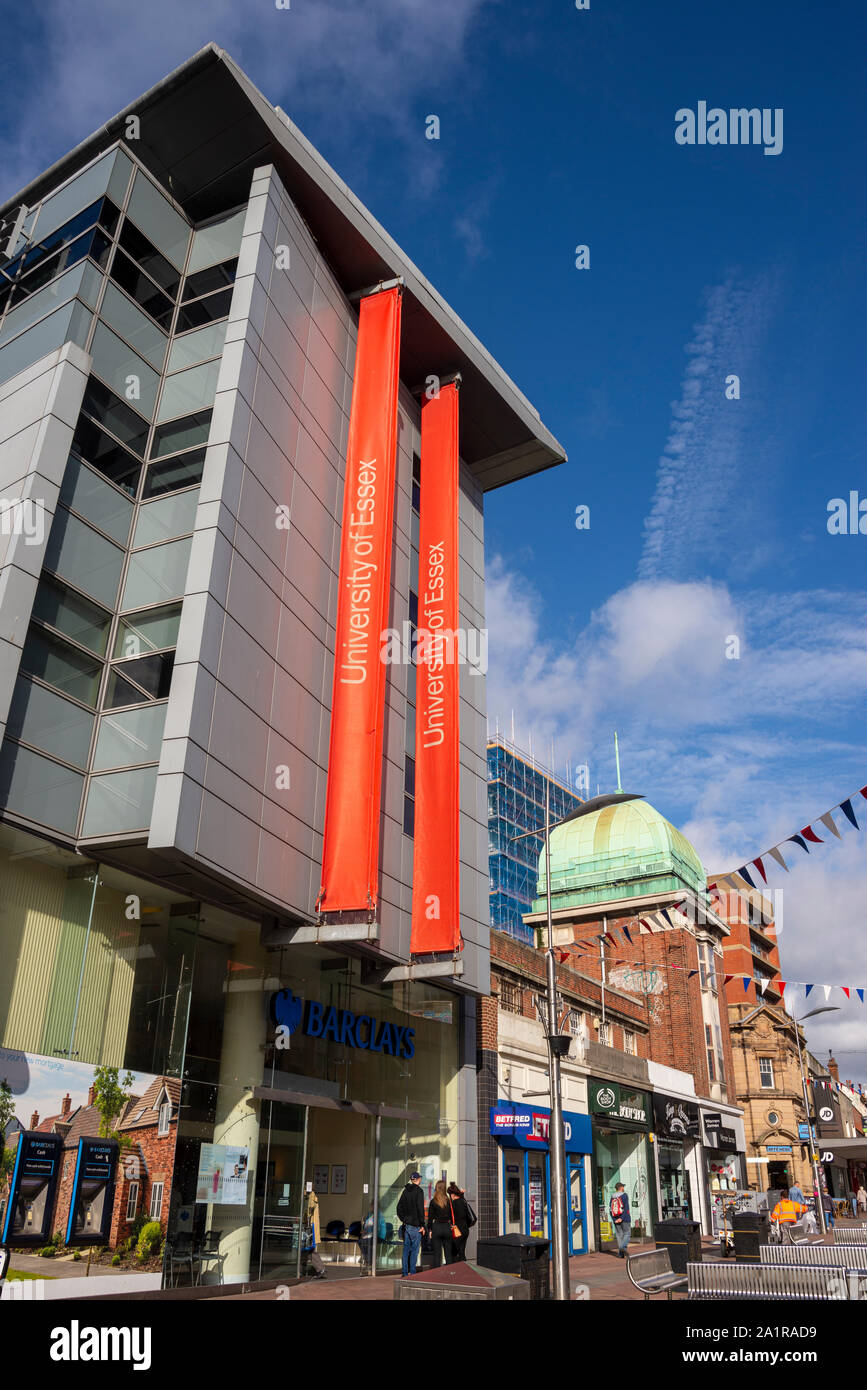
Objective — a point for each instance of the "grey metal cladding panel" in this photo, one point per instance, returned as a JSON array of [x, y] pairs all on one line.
[[272, 462], [259, 516], [253, 604], [246, 668], [296, 715]]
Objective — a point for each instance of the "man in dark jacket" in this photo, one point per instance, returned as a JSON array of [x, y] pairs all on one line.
[[410, 1210]]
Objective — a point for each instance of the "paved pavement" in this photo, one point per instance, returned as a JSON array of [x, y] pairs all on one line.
[[64, 1268]]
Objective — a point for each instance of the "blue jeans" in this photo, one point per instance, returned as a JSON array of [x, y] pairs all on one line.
[[411, 1247], [622, 1230]]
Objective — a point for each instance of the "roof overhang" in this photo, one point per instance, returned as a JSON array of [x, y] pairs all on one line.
[[205, 128]]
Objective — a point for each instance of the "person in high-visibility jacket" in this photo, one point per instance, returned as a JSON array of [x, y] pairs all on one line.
[[787, 1212]]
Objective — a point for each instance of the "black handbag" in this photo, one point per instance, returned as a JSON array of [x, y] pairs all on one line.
[[471, 1215]]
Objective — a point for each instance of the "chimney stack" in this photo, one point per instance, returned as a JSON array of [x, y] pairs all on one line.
[[34, 1120], [66, 1106], [833, 1068], [91, 1095]]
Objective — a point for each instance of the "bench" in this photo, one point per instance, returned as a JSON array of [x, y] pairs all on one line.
[[651, 1272], [796, 1233], [850, 1235], [831, 1256], [795, 1283]]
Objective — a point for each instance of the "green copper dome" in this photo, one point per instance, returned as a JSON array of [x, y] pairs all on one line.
[[623, 851]]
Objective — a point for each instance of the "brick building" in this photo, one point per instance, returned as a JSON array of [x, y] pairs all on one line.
[[640, 972]]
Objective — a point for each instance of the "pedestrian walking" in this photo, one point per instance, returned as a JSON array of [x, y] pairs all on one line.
[[439, 1225], [862, 1198], [827, 1207], [795, 1193], [853, 1202], [621, 1217], [367, 1236], [410, 1211], [463, 1217]]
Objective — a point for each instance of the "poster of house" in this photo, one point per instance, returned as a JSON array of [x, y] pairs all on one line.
[[57, 1097]]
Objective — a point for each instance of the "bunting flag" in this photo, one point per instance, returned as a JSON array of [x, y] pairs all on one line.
[[353, 793], [845, 989], [809, 987], [625, 931], [747, 980], [436, 923], [743, 877], [827, 989]]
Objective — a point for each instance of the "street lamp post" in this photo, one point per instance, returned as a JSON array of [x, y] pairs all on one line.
[[828, 1009], [558, 1046]]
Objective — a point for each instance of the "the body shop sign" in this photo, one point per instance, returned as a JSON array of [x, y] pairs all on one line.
[[610, 1098]]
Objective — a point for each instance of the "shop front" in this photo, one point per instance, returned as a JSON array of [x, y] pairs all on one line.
[[723, 1170], [677, 1131], [268, 1099], [522, 1133], [621, 1153]]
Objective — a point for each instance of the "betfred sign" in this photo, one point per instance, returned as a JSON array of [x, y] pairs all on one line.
[[530, 1129]]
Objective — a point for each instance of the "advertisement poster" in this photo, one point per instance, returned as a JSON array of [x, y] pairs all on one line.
[[222, 1176], [56, 1106], [320, 1177], [536, 1203], [338, 1178]]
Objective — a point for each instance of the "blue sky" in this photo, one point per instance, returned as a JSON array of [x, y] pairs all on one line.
[[708, 517]]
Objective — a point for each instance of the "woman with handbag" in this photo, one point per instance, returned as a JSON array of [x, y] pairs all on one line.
[[440, 1226], [463, 1217]]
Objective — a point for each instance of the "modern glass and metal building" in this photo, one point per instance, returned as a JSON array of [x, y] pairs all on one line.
[[177, 342], [516, 804]]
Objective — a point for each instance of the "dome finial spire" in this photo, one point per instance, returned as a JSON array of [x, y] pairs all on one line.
[[617, 759]]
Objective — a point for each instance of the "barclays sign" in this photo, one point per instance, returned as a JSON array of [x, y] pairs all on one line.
[[289, 1013]]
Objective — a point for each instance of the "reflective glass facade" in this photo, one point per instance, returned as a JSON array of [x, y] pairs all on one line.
[[516, 803], [84, 735]]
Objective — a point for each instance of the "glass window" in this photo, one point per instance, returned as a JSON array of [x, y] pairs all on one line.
[[158, 220], [142, 288], [156, 575], [47, 721], [180, 471], [118, 802], [189, 391], [129, 738], [218, 240], [165, 1117], [766, 1073], [79, 554], [119, 693], [93, 244], [152, 674], [60, 291], [165, 518], [150, 631], [79, 193], [197, 347], [156, 1201], [119, 181], [61, 665], [409, 816], [107, 456], [72, 615], [409, 775], [132, 1201], [207, 281], [69, 324], [124, 371], [86, 493], [181, 434], [200, 311], [111, 412], [138, 330], [39, 789]]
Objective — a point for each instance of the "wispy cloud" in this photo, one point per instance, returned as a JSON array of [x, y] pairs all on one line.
[[334, 61], [702, 476]]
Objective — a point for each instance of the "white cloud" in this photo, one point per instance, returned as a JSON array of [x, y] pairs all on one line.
[[334, 61]]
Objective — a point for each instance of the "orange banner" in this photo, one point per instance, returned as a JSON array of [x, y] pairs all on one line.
[[350, 855], [436, 923]]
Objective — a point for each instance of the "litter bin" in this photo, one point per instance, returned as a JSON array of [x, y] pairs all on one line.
[[526, 1256], [750, 1229], [681, 1238]]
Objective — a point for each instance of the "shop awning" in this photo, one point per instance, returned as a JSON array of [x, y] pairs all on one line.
[[839, 1151]]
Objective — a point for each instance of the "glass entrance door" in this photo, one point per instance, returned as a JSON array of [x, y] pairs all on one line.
[[513, 1192], [340, 1175], [279, 1209], [577, 1235], [537, 1195]]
